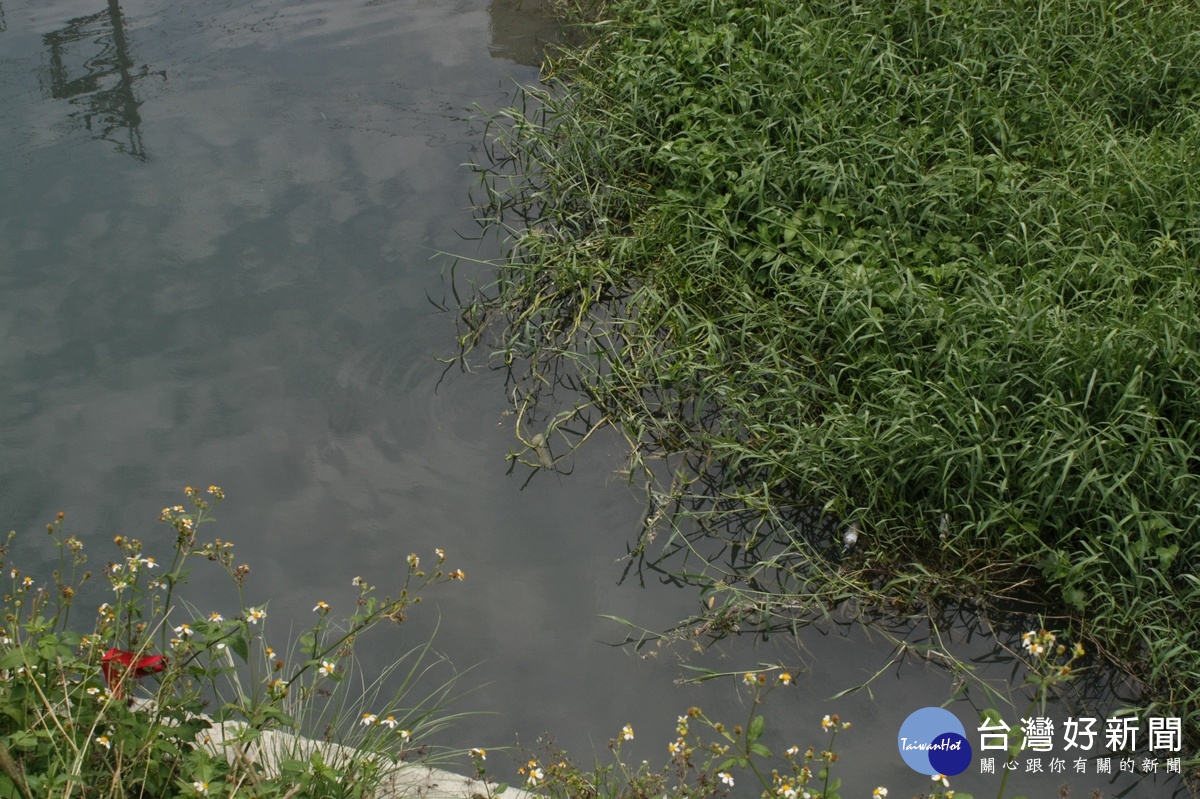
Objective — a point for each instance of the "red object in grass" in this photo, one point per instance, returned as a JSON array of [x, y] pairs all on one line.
[[116, 663]]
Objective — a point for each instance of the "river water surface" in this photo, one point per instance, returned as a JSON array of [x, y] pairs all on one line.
[[219, 227]]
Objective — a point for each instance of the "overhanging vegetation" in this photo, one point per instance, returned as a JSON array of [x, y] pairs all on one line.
[[930, 267]]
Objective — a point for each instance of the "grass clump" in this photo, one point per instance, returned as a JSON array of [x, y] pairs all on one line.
[[927, 268], [159, 699]]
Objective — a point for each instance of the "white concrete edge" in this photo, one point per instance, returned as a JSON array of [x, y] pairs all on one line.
[[400, 779]]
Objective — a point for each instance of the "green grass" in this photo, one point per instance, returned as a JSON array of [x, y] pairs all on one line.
[[892, 261]]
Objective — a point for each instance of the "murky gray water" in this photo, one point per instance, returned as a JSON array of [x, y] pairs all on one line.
[[218, 228]]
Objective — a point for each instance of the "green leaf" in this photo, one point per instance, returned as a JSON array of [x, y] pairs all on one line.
[[756, 728], [13, 658], [8, 789], [760, 750], [502, 787], [836, 783], [272, 713], [1075, 597], [240, 646]]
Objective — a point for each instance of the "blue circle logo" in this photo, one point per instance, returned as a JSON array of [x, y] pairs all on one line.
[[933, 741]]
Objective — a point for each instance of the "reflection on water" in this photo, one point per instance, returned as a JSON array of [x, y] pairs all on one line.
[[521, 29], [100, 83]]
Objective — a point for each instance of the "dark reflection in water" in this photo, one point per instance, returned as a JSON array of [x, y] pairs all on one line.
[[521, 29], [102, 85]]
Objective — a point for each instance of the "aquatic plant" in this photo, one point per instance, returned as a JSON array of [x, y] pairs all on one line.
[[924, 268]]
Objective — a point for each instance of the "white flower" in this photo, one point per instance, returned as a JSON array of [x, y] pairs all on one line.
[[726, 778], [879, 792], [321, 606], [942, 779], [327, 668], [201, 787], [217, 617], [536, 775], [368, 719], [627, 732], [183, 630], [358, 582], [479, 753], [405, 735], [104, 741], [390, 722], [256, 615]]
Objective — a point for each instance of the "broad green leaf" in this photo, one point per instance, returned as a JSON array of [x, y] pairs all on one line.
[[240, 646], [756, 728]]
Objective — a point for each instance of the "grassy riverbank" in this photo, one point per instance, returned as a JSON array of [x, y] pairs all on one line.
[[931, 268]]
